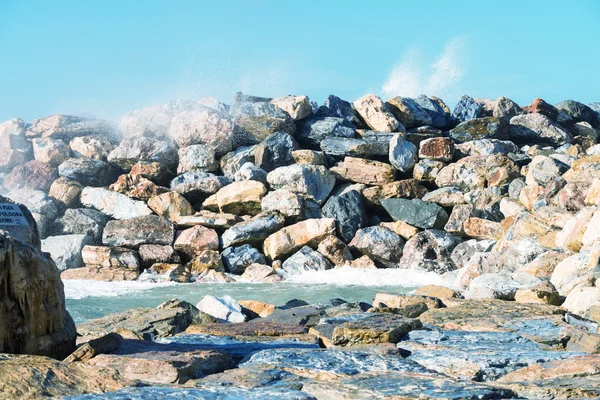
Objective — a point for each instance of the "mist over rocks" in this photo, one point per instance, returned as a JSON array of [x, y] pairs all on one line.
[[401, 183]]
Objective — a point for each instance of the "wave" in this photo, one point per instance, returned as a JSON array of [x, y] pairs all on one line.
[[76, 289]]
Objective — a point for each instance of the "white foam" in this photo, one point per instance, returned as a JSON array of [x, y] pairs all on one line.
[[372, 277], [78, 289]]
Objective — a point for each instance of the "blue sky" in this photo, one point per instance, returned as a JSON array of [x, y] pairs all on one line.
[[105, 58]]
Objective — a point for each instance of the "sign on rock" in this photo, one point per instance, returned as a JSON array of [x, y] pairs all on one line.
[[11, 215]]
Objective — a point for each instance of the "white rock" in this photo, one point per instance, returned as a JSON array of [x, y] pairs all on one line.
[[499, 286], [224, 308], [116, 205], [66, 250]]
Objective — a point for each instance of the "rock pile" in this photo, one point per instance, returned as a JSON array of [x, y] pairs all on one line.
[[502, 199]]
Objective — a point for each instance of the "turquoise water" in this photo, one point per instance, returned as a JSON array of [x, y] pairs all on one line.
[[84, 303]]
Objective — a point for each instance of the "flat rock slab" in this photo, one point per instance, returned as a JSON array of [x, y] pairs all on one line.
[[162, 363], [259, 328]]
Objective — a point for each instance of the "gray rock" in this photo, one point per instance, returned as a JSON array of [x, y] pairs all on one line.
[[113, 204], [537, 129], [236, 259], [416, 212], [335, 107], [197, 158], [275, 151], [543, 170], [68, 127], [314, 130], [479, 128], [409, 112], [81, 221], [233, 161], [380, 244], [403, 154], [430, 250], [16, 149], [466, 109], [578, 111], [197, 184], [89, 172], [439, 118], [506, 108], [446, 197], [313, 182], [486, 147], [155, 253], [288, 203], [134, 149], [66, 250], [133, 232], [348, 212], [305, 259], [250, 172], [367, 147], [254, 230], [499, 286], [203, 126], [515, 187], [464, 251]]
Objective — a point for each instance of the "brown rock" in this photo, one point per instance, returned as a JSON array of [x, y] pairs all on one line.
[[193, 241], [544, 293], [407, 188], [335, 250], [90, 147], [31, 175], [440, 292], [258, 307], [403, 229], [309, 157], [297, 107], [571, 236], [241, 198], [480, 228], [260, 273], [404, 300], [439, 149], [541, 107], [170, 205], [102, 345], [208, 219], [592, 197], [155, 171], [171, 272], [363, 262], [291, 238], [206, 260], [65, 191], [256, 328], [136, 187], [100, 273], [364, 171]]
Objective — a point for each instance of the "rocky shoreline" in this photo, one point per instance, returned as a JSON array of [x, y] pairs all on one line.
[[500, 200]]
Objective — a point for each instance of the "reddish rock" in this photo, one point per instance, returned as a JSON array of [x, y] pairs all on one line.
[[439, 148], [194, 240], [137, 187], [541, 107], [31, 175]]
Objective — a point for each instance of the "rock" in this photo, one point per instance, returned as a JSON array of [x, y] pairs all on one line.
[[67, 127], [297, 107], [32, 175], [368, 147], [335, 251], [16, 150], [364, 171], [203, 126], [94, 347], [409, 112], [497, 286], [170, 205], [20, 377], [335, 107], [405, 301], [205, 261], [110, 257], [250, 172], [314, 130], [479, 129], [506, 108], [313, 182], [572, 234], [223, 308], [236, 259], [363, 262], [258, 307], [134, 149], [308, 157], [430, 250], [348, 212], [207, 218], [158, 254], [260, 273], [439, 149], [486, 147], [193, 241], [233, 161], [437, 110], [160, 272], [440, 292], [403, 154], [136, 187], [291, 238], [403, 229], [427, 170], [241, 197], [66, 249], [537, 128], [408, 188], [446, 196], [88, 172], [197, 158], [543, 170], [275, 151], [288, 203], [471, 173], [305, 259], [90, 147], [464, 251], [195, 184], [380, 244], [578, 111], [113, 204], [466, 109], [50, 151], [156, 172], [416, 212], [82, 221], [544, 293], [457, 218], [65, 191], [480, 228], [376, 114], [254, 230], [133, 232], [152, 121]]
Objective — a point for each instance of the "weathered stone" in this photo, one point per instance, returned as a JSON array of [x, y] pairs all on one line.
[[363, 262], [571, 236], [437, 110], [223, 308], [466, 109], [333, 106], [236, 259], [376, 114], [204, 126], [260, 273], [479, 128], [335, 250], [446, 197], [416, 212], [195, 184], [537, 128], [430, 250], [155, 171], [193, 241], [206, 260], [314, 130], [486, 147], [305, 259], [66, 249], [81, 221], [90, 147], [65, 191], [380, 244], [136, 187], [480, 228], [439, 149], [32, 175], [241, 197], [67, 127], [161, 272], [506, 108], [407, 188], [291, 238], [134, 149], [371, 146], [543, 170], [288, 203], [158, 254], [499, 286], [402, 154], [50, 151], [297, 107], [197, 158], [250, 172], [308, 157], [364, 171], [544, 293], [427, 170], [113, 204], [311, 181], [403, 229], [16, 150], [464, 251], [275, 151], [170, 205], [409, 112], [457, 218], [440, 292], [133, 232], [261, 309], [254, 230], [348, 212], [207, 218]]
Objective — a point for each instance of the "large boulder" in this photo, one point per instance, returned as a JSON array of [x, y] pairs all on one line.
[[204, 126], [50, 151], [88, 172], [416, 212], [275, 151], [437, 110], [403, 154], [359, 170], [291, 238], [409, 112], [236, 259], [380, 244], [81, 221], [377, 114], [65, 250], [297, 107], [537, 128], [193, 241], [335, 107], [194, 185], [241, 198], [430, 250], [113, 204], [254, 230], [466, 109], [197, 158], [347, 209], [313, 131], [479, 128], [314, 182], [133, 232], [32, 175], [134, 149], [305, 259]]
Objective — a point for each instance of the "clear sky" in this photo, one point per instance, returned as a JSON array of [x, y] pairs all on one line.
[[107, 57]]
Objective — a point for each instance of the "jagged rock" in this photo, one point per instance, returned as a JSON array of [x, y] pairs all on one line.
[[363, 262], [402, 154], [233, 161], [438, 149], [297, 107], [436, 109], [335, 250], [364, 171], [486, 147], [427, 170], [543, 170], [291, 238], [81, 221], [380, 244], [32, 175], [275, 151], [65, 191], [466, 109], [170, 205], [90, 147], [66, 249], [223, 308], [205, 261], [288, 203], [348, 212], [134, 149], [203, 126], [161, 272], [464, 251], [254, 230], [416, 212], [313, 182], [543, 293], [572, 234], [305, 259], [403, 229], [194, 184], [430, 250], [241, 197], [236, 259], [136, 187], [333, 106], [506, 108], [207, 218], [193, 241], [308, 157], [16, 150], [370, 146], [197, 158], [497, 286], [480, 228], [478, 129], [471, 173], [314, 130], [446, 196], [50, 151], [578, 111], [408, 188], [67, 127], [156, 172], [409, 112], [440, 292], [537, 128], [158, 254], [133, 232], [113, 204], [376, 114], [250, 172]]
